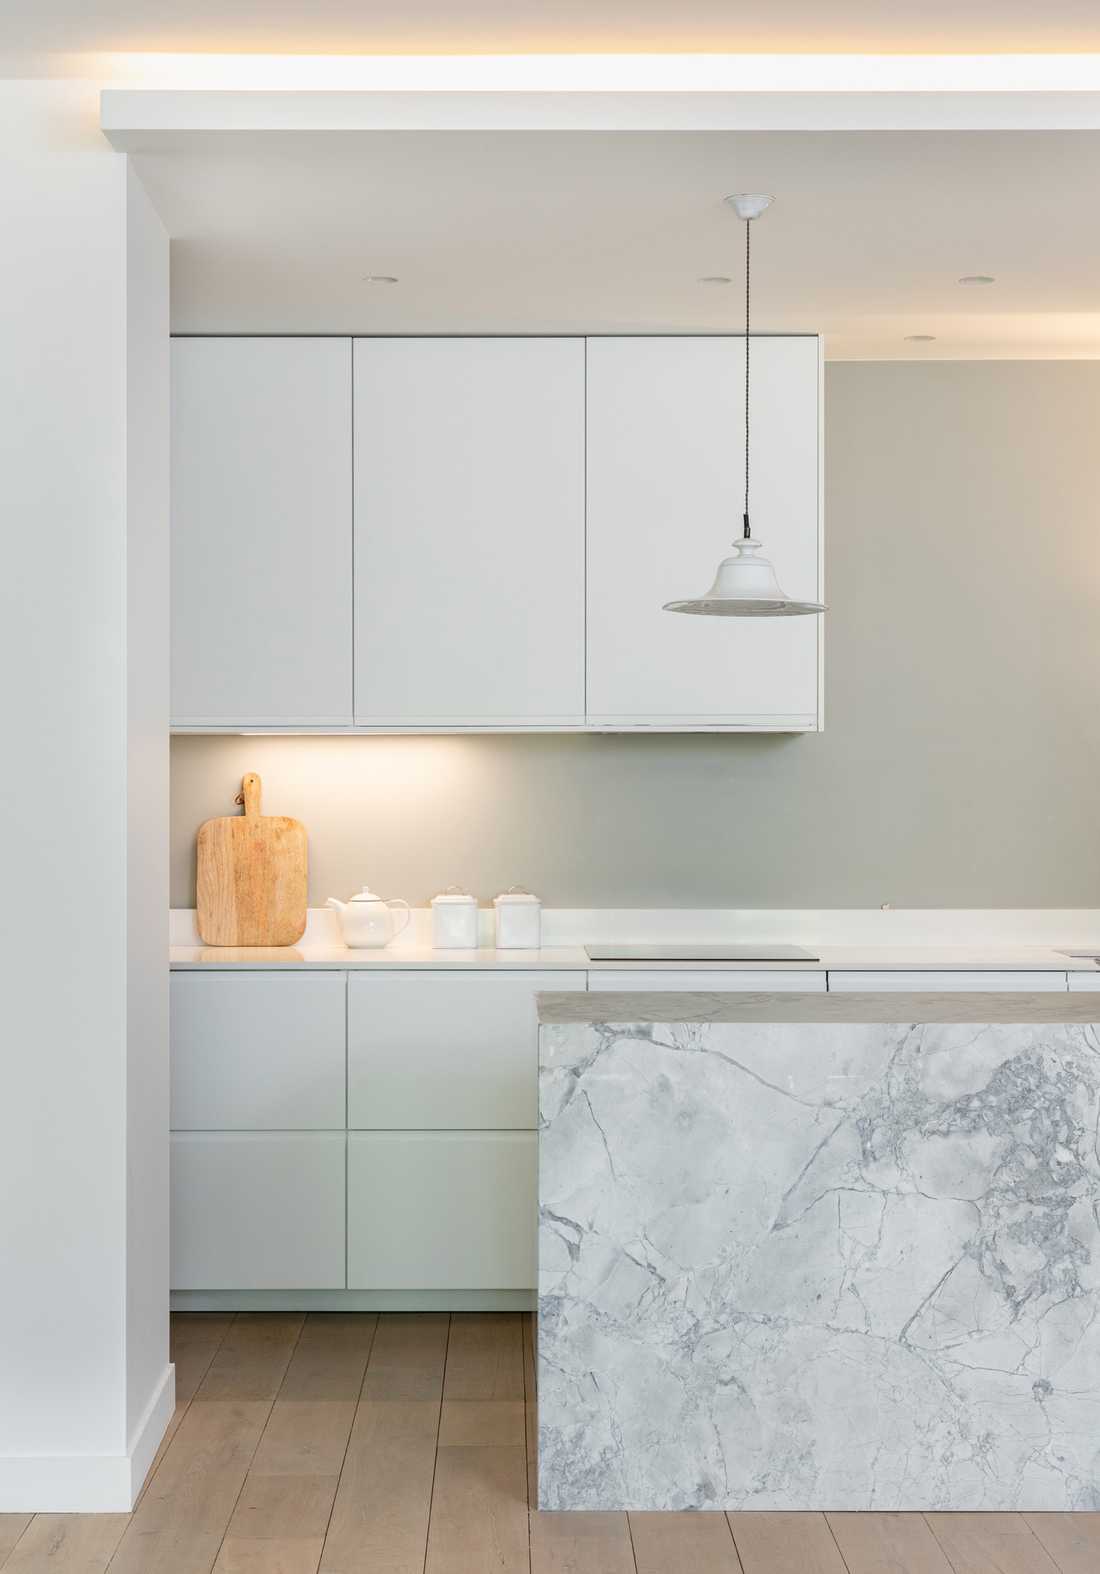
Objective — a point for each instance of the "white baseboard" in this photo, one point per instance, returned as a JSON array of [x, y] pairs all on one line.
[[89, 1483], [352, 1300], [150, 1430]]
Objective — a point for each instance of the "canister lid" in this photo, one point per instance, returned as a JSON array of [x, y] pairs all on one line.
[[454, 893], [515, 894]]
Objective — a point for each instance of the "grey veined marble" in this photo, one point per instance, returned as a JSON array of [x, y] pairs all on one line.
[[819, 1266]]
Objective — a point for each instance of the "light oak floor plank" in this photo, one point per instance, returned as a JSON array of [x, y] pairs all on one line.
[[268, 1556], [529, 1377], [304, 1442], [253, 1357], [485, 1356], [479, 1512], [281, 1508], [379, 1521], [408, 1356], [12, 1527], [531, 1415], [683, 1544], [67, 1544], [1073, 1540], [582, 1544], [785, 1544], [990, 1544], [482, 1422], [195, 1340], [179, 1525], [888, 1544]]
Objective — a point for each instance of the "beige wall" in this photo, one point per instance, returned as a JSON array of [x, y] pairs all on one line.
[[959, 763]]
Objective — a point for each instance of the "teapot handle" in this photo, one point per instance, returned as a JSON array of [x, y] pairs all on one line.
[[396, 901]]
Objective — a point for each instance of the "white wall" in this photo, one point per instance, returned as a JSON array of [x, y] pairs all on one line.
[[83, 275], [959, 760], [147, 383]]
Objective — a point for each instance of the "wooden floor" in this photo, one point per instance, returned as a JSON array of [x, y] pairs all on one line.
[[404, 1444]]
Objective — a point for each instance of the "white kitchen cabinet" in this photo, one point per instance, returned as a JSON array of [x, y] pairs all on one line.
[[1086, 983], [258, 1051], [258, 1210], [469, 532], [441, 1210], [706, 981], [665, 422], [520, 510], [446, 1051], [261, 538], [914, 981]]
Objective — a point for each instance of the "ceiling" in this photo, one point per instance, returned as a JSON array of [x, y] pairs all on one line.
[[503, 26], [585, 231]]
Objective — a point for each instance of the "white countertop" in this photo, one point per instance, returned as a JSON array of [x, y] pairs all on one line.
[[995, 958], [995, 941]]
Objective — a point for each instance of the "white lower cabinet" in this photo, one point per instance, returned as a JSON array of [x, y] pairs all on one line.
[[426, 1179], [435, 1210], [258, 1051], [706, 981], [446, 1051], [258, 1210], [918, 982]]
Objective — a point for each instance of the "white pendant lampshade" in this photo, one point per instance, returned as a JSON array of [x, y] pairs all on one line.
[[745, 585]]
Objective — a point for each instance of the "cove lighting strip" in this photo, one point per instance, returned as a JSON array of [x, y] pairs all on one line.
[[601, 73]]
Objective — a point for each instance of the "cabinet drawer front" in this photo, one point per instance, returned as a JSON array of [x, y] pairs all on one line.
[[707, 981], [446, 1051], [1088, 983], [441, 1210], [258, 1051], [915, 981], [258, 1211]]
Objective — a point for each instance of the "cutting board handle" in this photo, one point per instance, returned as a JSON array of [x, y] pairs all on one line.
[[249, 794]]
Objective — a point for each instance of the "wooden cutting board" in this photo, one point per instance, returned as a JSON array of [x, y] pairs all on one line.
[[252, 876]]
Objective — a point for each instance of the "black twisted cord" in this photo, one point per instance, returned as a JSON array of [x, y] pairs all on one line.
[[748, 272]]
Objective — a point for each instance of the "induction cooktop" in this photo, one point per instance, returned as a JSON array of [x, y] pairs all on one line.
[[698, 953]]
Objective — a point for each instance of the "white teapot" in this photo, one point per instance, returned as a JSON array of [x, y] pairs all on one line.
[[367, 920]]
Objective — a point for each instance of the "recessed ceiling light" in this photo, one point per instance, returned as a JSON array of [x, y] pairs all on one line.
[[716, 278], [379, 278], [977, 278], [919, 338]]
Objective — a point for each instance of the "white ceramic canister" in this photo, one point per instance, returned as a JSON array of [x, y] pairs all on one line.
[[454, 920], [519, 920]]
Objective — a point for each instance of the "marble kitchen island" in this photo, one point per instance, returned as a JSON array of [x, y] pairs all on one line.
[[819, 1251]]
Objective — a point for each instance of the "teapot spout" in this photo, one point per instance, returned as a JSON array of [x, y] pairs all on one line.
[[339, 906]]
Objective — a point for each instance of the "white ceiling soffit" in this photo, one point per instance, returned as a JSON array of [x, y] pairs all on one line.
[[511, 229], [226, 94]]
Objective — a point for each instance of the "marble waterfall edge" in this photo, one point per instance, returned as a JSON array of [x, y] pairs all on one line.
[[819, 1266]]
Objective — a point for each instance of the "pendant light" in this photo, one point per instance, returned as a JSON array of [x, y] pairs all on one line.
[[745, 585]]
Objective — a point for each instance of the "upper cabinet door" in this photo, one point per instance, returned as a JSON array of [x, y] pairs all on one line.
[[665, 487], [469, 532], [261, 532]]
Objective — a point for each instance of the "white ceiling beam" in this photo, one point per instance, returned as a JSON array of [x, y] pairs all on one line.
[[180, 95]]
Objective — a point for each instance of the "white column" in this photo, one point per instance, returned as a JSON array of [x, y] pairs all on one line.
[[85, 1385]]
